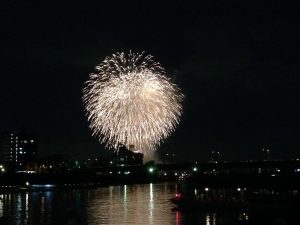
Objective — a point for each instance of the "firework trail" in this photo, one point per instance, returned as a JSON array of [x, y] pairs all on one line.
[[129, 100]]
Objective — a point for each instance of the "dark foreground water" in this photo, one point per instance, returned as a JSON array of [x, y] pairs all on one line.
[[127, 204]]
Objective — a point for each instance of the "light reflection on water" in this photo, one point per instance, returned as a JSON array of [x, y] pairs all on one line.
[[151, 205], [210, 219], [133, 204], [1, 205], [127, 204]]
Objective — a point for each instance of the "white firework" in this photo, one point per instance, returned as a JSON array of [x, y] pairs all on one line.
[[130, 101]]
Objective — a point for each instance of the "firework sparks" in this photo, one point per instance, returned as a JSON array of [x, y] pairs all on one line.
[[130, 100]]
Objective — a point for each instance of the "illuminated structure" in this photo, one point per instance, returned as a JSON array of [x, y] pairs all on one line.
[[215, 156], [18, 149], [125, 157]]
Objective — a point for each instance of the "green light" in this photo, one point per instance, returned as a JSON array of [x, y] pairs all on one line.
[[77, 165], [151, 169]]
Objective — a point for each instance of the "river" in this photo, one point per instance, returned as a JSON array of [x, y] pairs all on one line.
[[115, 205]]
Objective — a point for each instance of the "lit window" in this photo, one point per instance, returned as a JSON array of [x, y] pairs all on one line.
[[31, 141]]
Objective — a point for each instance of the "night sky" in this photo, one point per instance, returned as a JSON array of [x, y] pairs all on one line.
[[237, 63]]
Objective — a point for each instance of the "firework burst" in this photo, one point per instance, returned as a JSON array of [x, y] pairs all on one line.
[[130, 100]]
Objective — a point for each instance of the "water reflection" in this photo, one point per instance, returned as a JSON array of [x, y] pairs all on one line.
[[125, 201], [138, 204], [42, 208], [125, 193], [207, 220], [151, 206], [22, 208], [127, 204], [178, 218], [1, 205], [210, 219], [26, 208]]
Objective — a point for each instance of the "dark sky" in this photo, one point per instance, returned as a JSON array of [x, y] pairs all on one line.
[[236, 62]]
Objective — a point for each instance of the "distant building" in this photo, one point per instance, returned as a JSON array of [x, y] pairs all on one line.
[[125, 157], [18, 149], [215, 156], [97, 162], [56, 162]]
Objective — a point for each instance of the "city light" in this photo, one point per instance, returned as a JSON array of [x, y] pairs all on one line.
[[151, 169]]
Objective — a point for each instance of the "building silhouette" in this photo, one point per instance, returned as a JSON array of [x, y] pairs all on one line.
[[125, 157], [18, 150]]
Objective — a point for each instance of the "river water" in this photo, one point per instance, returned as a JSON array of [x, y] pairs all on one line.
[[116, 205]]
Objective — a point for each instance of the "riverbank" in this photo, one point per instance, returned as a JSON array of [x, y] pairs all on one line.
[[12, 183]]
